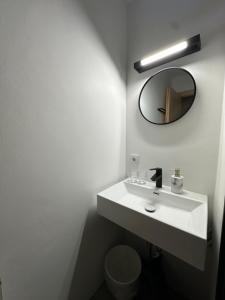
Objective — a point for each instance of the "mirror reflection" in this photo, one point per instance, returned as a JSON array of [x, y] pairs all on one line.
[[167, 96]]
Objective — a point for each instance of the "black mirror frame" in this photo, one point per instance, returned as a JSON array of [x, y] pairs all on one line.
[[171, 68]]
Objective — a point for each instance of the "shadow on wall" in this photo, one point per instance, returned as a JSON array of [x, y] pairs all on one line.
[[97, 234], [106, 30], [112, 38], [89, 270]]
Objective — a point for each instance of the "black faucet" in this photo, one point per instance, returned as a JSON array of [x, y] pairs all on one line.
[[157, 177]]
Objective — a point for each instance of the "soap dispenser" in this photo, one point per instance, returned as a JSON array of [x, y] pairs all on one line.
[[177, 182]]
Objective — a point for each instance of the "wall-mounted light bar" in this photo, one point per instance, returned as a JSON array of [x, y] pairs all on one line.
[[176, 51]]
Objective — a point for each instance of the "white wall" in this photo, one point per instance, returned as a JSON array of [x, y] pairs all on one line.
[[62, 112], [179, 144], [192, 142]]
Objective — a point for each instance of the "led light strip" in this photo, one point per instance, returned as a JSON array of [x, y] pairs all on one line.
[[176, 51], [164, 53]]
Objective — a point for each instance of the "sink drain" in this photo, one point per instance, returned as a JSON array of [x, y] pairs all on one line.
[[150, 208]]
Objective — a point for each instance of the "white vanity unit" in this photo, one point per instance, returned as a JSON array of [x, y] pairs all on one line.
[[177, 223]]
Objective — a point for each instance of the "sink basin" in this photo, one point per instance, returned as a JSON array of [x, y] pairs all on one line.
[[177, 223]]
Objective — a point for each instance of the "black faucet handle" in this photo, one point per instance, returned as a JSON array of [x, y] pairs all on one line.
[[157, 173]]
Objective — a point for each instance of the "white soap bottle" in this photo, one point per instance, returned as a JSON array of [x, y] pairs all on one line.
[[177, 182]]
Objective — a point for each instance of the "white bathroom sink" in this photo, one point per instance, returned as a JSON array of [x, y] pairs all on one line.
[[178, 224]]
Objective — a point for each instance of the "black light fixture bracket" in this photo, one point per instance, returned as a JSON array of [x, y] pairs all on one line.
[[191, 45]]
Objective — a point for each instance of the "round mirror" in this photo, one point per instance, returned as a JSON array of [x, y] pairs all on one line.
[[167, 96]]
